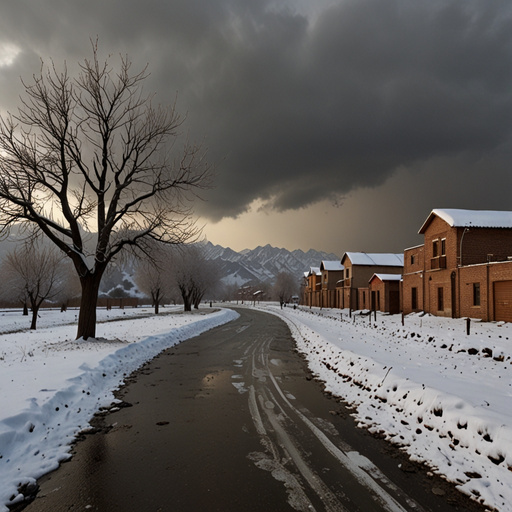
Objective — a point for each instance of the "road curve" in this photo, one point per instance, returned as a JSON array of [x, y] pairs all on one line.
[[233, 421]]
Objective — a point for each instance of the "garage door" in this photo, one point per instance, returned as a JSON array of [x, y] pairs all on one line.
[[503, 301]]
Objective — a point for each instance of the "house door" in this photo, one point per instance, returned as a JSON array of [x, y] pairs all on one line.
[[394, 302], [503, 301]]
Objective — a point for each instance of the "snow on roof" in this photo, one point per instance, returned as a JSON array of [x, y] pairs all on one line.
[[376, 259], [331, 265], [470, 218], [388, 277], [314, 271]]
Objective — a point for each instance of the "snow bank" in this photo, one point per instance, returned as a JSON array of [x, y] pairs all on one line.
[[443, 396], [38, 424]]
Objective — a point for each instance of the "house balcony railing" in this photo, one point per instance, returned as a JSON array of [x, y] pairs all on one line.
[[438, 263]]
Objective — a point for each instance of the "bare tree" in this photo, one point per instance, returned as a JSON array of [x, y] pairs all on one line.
[[284, 287], [96, 167], [206, 279], [33, 272], [194, 275], [152, 275]]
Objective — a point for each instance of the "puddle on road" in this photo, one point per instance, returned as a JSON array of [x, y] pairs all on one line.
[[213, 381]]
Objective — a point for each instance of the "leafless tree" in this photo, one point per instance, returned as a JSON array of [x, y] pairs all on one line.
[[284, 287], [33, 272], [153, 275], [97, 168], [194, 275]]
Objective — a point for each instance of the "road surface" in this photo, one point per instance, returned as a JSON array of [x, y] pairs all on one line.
[[233, 421]]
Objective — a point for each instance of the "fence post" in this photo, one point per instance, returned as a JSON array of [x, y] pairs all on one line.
[[468, 326]]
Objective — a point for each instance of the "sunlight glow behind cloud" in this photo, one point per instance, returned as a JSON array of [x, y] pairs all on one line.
[[8, 54]]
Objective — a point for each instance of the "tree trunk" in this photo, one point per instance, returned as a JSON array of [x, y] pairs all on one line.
[[87, 317], [156, 300], [186, 295], [25, 309], [35, 311], [187, 302]]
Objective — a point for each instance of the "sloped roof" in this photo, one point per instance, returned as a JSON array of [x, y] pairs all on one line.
[[470, 218], [331, 265], [388, 277], [375, 259], [315, 271]]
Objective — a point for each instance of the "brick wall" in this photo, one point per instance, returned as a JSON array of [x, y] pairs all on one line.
[[414, 261], [440, 232], [485, 275], [479, 244], [364, 298]]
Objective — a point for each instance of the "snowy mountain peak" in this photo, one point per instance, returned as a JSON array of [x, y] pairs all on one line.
[[263, 263]]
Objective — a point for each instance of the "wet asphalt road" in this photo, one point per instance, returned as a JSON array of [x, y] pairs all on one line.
[[233, 421]]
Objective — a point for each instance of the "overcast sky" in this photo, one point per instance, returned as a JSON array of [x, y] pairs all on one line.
[[334, 125]]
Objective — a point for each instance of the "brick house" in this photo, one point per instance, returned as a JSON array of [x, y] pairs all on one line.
[[359, 267], [384, 291], [332, 272], [464, 267], [313, 287]]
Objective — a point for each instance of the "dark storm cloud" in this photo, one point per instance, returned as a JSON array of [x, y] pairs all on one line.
[[296, 108]]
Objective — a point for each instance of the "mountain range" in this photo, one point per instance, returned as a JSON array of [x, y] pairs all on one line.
[[247, 267], [262, 264]]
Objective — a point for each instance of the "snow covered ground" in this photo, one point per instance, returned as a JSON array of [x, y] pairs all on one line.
[[51, 385], [442, 395]]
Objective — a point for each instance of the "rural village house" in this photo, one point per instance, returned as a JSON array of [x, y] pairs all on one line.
[[312, 289], [332, 273], [354, 290], [464, 267], [384, 292], [345, 283]]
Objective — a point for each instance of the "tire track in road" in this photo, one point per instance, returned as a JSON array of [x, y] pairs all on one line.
[[275, 417]]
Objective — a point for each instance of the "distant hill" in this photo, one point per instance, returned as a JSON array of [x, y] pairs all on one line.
[[263, 263]]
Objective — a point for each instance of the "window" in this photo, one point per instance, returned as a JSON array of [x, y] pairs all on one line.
[[414, 298], [476, 294], [443, 246], [440, 301], [347, 273], [413, 259], [435, 248]]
